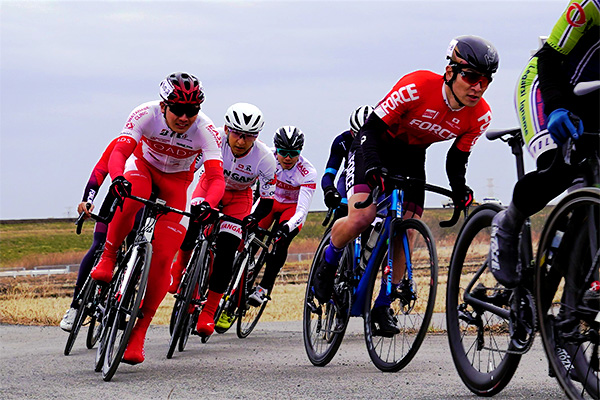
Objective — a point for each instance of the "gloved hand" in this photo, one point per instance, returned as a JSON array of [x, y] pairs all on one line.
[[374, 179], [462, 197], [563, 124], [203, 213], [332, 197], [250, 222], [282, 232], [120, 187]]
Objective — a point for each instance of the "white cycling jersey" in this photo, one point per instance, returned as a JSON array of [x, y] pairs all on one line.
[[296, 185], [242, 172], [166, 150]]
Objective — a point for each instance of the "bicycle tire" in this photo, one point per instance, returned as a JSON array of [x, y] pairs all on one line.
[[391, 354], [95, 325], [484, 366], [83, 311], [231, 296], [569, 327], [128, 308], [322, 340], [187, 288], [248, 316], [108, 316]]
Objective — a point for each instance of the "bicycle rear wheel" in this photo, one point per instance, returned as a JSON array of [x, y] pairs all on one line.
[[324, 325], [130, 296], [567, 270], [183, 299], [84, 301], [249, 315], [412, 304], [479, 339]]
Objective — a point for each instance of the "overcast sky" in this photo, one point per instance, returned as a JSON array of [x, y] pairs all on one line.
[[71, 72]]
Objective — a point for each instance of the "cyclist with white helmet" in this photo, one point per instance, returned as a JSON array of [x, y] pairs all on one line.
[[296, 185], [157, 151], [422, 108], [246, 160], [334, 196]]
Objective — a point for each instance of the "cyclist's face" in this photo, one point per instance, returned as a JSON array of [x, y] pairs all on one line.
[[467, 93], [239, 142], [287, 162], [178, 124]]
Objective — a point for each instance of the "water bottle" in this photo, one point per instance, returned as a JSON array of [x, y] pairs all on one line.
[[368, 248]]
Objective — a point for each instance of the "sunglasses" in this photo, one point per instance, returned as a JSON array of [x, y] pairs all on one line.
[[190, 110], [473, 78], [242, 135], [288, 153]]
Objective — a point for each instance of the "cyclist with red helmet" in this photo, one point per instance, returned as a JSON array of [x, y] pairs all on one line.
[[246, 160], [296, 185], [336, 195], [422, 108], [157, 150]]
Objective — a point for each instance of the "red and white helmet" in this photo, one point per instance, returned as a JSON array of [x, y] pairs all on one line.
[[182, 88]]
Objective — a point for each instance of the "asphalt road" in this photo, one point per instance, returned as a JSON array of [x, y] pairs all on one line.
[[270, 364]]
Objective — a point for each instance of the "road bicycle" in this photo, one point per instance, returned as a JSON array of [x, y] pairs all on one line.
[[247, 267], [90, 297], [490, 327], [361, 272], [127, 288]]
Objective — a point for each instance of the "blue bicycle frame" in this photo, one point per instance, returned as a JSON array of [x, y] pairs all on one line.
[[389, 209]]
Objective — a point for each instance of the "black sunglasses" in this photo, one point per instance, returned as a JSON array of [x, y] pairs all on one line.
[[190, 110]]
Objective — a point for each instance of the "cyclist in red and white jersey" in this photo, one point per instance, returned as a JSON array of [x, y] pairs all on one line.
[[422, 108], [296, 185], [157, 150], [246, 160]]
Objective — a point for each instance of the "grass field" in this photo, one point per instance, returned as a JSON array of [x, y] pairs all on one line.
[[43, 300]]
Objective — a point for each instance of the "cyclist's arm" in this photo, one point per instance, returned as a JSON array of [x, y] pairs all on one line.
[[123, 149], [214, 180], [554, 84], [308, 188], [266, 186], [336, 156], [456, 167], [98, 174], [371, 140]]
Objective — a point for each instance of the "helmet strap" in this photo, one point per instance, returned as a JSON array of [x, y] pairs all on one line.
[[450, 83]]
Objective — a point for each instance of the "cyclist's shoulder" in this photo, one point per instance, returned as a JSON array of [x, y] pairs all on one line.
[[306, 169], [264, 153]]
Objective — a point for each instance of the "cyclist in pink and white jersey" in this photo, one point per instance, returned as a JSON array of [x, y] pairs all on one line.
[[246, 160], [157, 151], [296, 185], [422, 108]]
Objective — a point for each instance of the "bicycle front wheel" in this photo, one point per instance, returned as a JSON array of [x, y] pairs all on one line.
[[568, 300], [83, 311], [249, 315], [412, 304], [324, 325], [183, 299], [130, 296], [479, 338]]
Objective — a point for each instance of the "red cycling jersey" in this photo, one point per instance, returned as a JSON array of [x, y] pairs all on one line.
[[417, 112], [98, 174]]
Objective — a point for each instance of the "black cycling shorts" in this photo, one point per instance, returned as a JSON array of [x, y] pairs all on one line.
[[399, 158]]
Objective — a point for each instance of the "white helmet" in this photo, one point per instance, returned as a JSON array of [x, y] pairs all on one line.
[[359, 116], [244, 117]]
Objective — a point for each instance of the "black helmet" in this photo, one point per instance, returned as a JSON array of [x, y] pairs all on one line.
[[182, 88], [473, 52], [289, 138]]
